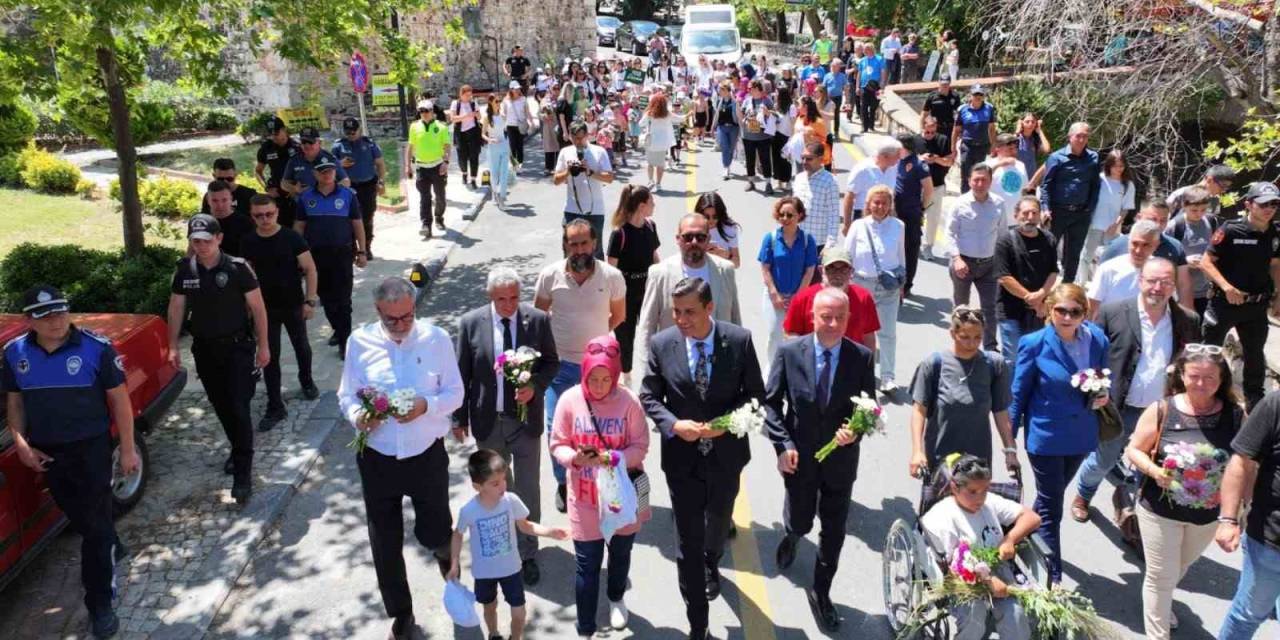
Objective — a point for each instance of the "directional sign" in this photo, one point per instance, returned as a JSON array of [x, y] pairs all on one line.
[[359, 73]]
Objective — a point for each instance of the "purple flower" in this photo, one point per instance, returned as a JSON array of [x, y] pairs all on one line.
[[381, 404]]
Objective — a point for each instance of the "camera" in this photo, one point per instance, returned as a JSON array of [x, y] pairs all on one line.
[[577, 166]]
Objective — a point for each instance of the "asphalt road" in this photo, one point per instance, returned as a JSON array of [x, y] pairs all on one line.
[[314, 577]]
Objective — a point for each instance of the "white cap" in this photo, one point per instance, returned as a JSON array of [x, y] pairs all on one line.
[[513, 85], [426, 105]]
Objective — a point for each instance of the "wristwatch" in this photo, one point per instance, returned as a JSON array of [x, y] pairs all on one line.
[[310, 303]]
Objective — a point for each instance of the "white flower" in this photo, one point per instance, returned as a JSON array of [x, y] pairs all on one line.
[[525, 377], [746, 419], [402, 401]]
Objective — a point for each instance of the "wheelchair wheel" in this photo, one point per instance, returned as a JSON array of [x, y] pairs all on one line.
[[905, 581]]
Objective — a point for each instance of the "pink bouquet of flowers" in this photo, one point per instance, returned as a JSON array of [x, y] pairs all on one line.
[[516, 366], [1196, 471], [967, 565], [377, 404]]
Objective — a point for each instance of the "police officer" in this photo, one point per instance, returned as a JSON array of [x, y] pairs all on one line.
[[426, 158], [228, 337], [329, 218], [64, 387], [362, 159], [273, 155], [224, 169], [1243, 263], [299, 174]]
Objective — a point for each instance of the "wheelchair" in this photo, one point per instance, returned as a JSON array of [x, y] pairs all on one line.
[[912, 566]]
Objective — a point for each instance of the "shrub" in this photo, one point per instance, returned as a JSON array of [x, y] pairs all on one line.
[[86, 109], [52, 125], [86, 189], [256, 126], [94, 281], [163, 197], [46, 172], [17, 125], [10, 170]]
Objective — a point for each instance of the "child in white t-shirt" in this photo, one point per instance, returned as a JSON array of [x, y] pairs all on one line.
[[491, 519], [1008, 177]]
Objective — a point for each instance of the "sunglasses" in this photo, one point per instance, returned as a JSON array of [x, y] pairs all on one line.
[[1197, 348], [263, 216], [230, 178], [596, 349], [694, 237], [786, 216], [1069, 312]]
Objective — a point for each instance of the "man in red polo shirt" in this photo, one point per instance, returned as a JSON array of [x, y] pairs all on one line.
[[863, 321]]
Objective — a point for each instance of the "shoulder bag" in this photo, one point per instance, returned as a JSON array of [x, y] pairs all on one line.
[[1124, 499], [639, 479], [886, 279]]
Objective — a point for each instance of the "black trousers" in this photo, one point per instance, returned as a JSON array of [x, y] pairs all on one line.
[[868, 104], [626, 332], [386, 481], [79, 479], [367, 196], [702, 501], [825, 491], [549, 159], [1070, 225], [286, 209], [430, 182], [911, 221], [781, 165], [516, 140], [970, 154], [291, 320], [334, 282], [225, 367], [1250, 322], [469, 144], [761, 150], [838, 101]]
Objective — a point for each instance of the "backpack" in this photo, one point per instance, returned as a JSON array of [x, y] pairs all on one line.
[[457, 110], [935, 364]]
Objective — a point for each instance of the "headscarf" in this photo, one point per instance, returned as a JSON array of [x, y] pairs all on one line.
[[601, 358]]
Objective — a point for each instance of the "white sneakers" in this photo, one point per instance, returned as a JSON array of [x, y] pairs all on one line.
[[618, 614], [726, 173]]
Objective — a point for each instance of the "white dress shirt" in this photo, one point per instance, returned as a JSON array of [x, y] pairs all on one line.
[[1115, 279], [1147, 386], [424, 361], [497, 346], [888, 235], [974, 226], [691, 351]]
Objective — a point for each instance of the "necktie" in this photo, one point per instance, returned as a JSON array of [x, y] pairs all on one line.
[[508, 389], [701, 370], [824, 380]]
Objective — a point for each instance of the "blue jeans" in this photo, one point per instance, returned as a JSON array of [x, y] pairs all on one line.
[[499, 169], [727, 137], [590, 556], [1257, 592], [569, 374], [1011, 331], [1052, 475], [1104, 459]]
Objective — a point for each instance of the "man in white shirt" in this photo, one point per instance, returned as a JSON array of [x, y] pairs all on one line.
[[881, 168], [1117, 278], [586, 168], [976, 220], [405, 457], [890, 48]]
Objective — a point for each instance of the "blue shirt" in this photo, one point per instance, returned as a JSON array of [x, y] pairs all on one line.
[[691, 351], [1168, 248], [302, 171], [908, 190], [328, 217], [363, 152], [787, 264], [835, 83], [1027, 149], [64, 393], [973, 123], [870, 68], [810, 70], [817, 361], [1071, 180]]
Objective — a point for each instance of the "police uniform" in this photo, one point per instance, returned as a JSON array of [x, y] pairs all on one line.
[[276, 157], [67, 417], [329, 234], [302, 171], [428, 146], [364, 152], [223, 345], [1243, 256]]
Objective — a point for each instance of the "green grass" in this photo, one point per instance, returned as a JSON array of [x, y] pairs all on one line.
[[48, 219], [200, 161]]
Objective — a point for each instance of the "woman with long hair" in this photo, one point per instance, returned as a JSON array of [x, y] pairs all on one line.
[[1116, 200], [494, 130], [724, 235], [810, 118], [657, 122], [785, 111], [633, 247], [515, 111]]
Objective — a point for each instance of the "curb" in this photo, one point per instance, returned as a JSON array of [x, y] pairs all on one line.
[[435, 263], [196, 609]]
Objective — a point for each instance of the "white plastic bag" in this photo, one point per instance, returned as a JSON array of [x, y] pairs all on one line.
[[616, 500], [794, 148], [460, 603]]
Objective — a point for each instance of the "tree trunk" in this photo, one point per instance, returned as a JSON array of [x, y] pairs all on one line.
[[780, 20], [766, 31], [1271, 41], [126, 154], [815, 21]]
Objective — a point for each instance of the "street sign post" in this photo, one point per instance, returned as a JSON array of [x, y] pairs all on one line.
[[358, 71]]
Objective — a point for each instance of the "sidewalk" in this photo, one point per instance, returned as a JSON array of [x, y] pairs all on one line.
[[86, 159]]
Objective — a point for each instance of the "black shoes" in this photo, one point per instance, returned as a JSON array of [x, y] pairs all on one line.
[[105, 624], [271, 418], [823, 609], [786, 553], [699, 634], [440, 224], [402, 626], [241, 490], [713, 581], [561, 504], [768, 189], [310, 391], [333, 340], [530, 572], [425, 231]]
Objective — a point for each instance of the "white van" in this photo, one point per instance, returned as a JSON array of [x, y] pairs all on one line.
[[700, 14], [715, 41]]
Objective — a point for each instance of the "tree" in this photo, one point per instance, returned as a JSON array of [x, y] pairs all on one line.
[[86, 52]]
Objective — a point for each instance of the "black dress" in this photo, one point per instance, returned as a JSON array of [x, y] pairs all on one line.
[[633, 247]]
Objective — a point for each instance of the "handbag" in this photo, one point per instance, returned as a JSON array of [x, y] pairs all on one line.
[[639, 479], [1123, 501], [886, 279]]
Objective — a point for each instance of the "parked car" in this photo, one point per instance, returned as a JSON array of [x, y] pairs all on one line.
[[606, 28], [633, 37], [29, 519]]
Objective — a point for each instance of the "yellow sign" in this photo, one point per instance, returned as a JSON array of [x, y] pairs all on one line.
[[385, 93], [313, 116]]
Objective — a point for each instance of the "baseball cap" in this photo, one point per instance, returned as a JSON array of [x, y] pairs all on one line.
[[1262, 192], [350, 123], [203, 226], [426, 105], [834, 254], [977, 90], [323, 163], [308, 134], [513, 85], [275, 124], [42, 300]]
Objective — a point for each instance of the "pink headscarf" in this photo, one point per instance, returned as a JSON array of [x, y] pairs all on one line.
[[602, 345]]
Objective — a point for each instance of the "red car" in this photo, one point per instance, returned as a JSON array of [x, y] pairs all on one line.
[[29, 519]]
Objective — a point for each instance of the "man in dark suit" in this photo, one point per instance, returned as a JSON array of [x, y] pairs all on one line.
[[807, 401], [1147, 332], [489, 408], [697, 371]]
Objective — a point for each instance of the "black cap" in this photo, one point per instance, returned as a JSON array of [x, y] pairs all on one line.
[[309, 134], [350, 123], [1262, 192], [324, 162], [203, 226], [275, 124], [42, 300]]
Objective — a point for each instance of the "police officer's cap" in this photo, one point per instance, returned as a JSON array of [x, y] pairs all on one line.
[[203, 226], [351, 123], [42, 300], [309, 134], [1262, 192], [323, 163], [276, 124]]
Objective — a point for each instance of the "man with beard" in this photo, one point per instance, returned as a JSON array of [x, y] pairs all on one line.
[[586, 298], [1026, 269], [698, 370], [693, 262]]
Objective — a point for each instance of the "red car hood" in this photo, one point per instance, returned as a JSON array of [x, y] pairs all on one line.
[[112, 325]]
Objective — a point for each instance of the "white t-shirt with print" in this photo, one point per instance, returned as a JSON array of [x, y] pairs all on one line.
[[493, 535], [946, 524]]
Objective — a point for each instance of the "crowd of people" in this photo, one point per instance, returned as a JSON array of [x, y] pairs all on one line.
[[1036, 231]]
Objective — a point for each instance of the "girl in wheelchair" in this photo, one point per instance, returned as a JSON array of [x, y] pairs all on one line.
[[981, 518]]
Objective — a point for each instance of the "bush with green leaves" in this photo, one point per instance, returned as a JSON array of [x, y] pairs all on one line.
[[17, 125], [93, 280], [164, 197], [86, 189], [43, 171], [10, 170], [86, 108], [52, 125], [256, 126]]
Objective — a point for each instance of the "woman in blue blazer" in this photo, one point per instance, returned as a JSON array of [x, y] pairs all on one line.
[[1061, 426]]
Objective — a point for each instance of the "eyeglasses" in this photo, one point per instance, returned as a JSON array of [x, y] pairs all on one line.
[[230, 178], [786, 216], [1197, 348], [1158, 282], [1069, 312], [263, 216], [694, 238], [386, 319], [597, 349]]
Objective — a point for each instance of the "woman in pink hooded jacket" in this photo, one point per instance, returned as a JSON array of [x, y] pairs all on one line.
[[599, 423]]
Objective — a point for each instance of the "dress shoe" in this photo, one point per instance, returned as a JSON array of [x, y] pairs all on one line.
[[1079, 509], [561, 498], [733, 531], [712, 574], [241, 490], [699, 634], [333, 340], [823, 609], [530, 572], [105, 624], [402, 626], [229, 467], [768, 188], [271, 418], [440, 225], [425, 231], [786, 553], [310, 391]]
